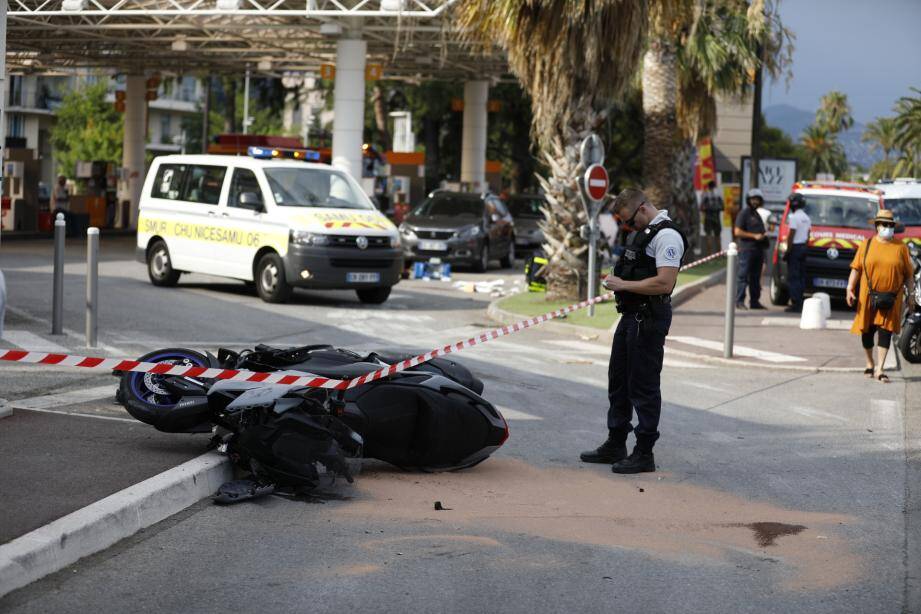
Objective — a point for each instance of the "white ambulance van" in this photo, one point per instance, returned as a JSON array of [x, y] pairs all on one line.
[[270, 218]]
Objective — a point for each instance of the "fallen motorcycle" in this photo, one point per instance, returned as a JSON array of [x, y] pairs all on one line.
[[910, 337], [430, 417]]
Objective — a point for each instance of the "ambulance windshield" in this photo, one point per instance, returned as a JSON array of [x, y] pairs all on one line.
[[836, 210], [314, 187]]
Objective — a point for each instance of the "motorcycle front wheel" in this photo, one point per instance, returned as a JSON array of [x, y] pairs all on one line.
[[141, 393], [910, 342]]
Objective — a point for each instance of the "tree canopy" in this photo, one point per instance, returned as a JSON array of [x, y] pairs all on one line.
[[88, 128]]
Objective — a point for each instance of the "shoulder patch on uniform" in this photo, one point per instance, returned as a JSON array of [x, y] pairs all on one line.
[[671, 253]]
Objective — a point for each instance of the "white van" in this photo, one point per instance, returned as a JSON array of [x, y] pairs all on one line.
[[280, 223]]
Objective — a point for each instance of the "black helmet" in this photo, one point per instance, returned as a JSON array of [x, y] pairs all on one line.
[[797, 201]]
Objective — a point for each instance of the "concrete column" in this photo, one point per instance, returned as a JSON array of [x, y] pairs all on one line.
[[349, 100], [473, 143], [134, 143]]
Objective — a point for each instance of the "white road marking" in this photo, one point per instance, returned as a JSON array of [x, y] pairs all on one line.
[[61, 412], [377, 314], [702, 386], [811, 412], [30, 341], [65, 398], [794, 323], [885, 416], [740, 350], [514, 414]]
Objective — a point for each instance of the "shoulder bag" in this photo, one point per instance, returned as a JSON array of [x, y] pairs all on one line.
[[879, 301]]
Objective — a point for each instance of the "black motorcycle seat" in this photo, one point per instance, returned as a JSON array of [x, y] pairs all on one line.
[[334, 370]]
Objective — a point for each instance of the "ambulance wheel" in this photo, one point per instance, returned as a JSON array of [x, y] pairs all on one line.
[[482, 261], [780, 295], [159, 266], [509, 260], [373, 296], [271, 284]]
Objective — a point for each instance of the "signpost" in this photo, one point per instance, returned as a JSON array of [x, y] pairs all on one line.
[[594, 188]]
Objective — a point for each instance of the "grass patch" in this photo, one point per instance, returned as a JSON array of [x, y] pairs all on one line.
[[529, 304]]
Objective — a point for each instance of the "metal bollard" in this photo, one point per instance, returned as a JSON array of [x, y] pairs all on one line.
[[732, 272], [57, 302], [92, 285]]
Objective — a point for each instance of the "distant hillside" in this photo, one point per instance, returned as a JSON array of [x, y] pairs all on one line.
[[793, 121]]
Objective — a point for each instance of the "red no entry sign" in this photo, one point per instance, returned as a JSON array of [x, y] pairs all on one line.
[[596, 182]]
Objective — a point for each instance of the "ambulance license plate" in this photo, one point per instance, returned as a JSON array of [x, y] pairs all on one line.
[[825, 282], [361, 278], [433, 246]]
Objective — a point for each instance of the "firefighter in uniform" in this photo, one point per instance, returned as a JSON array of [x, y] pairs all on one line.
[[642, 280]]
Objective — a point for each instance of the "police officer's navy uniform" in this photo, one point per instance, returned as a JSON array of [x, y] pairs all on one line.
[[639, 341]]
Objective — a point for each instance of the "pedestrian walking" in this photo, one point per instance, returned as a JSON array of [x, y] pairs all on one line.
[[794, 250], [752, 235], [712, 205], [61, 195], [642, 280], [882, 267]]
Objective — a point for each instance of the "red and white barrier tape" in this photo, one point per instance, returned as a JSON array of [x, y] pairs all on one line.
[[299, 378]]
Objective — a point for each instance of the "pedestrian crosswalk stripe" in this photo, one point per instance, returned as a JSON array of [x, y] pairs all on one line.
[[30, 341], [739, 350], [514, 414], [71, 397]]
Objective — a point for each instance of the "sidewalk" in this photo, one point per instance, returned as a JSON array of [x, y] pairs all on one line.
[[770, 337]]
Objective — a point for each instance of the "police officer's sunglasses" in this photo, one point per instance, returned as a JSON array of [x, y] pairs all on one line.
[[633, 217]]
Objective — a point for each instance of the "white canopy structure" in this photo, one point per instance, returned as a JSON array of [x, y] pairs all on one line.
[[412, 40]]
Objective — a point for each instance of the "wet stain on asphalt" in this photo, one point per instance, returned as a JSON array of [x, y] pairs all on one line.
[[766, 533]]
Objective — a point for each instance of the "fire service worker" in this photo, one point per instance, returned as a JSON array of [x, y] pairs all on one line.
[[642, 280]]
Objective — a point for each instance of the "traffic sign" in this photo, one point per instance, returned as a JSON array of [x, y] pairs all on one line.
[[596, 182]]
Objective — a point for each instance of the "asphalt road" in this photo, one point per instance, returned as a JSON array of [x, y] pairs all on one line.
[[778, 491]]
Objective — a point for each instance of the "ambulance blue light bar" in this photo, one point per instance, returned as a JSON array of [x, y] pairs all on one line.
[[268, 153]]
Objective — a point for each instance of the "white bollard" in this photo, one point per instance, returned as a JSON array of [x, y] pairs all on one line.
[[826, 302], [813, 316]]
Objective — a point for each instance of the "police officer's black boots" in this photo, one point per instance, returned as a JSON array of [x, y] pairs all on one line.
[[614, 449], [639, 461]]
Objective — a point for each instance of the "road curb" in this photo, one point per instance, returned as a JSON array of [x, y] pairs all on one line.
[[105, 522], [682, 294], [6, 408], [732, 362]]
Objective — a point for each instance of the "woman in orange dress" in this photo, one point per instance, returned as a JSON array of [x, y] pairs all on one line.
[[888, 269]]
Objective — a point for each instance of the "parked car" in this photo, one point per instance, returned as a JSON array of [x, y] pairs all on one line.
[[840, 214], [525, 210], [460, 228]]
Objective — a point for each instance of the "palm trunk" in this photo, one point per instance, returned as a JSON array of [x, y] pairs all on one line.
[[566, 251], [660, 73], [684, 200]]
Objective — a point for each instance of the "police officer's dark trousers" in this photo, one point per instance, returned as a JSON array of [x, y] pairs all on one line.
[[796, 265], [634, 372], [750, 263]]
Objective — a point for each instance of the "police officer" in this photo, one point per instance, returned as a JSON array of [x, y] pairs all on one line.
[[643, 280], [794, 252], [753, 241]]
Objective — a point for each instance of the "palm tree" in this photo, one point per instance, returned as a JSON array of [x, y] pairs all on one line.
[[698, 51], [573, 58], [727, 43], [834, 112], [881, 135], [823, 152], [908, 134]]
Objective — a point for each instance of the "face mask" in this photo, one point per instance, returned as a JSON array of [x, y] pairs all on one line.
[[886, 232]]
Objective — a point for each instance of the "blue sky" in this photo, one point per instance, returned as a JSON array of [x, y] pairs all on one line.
[[870, 50]]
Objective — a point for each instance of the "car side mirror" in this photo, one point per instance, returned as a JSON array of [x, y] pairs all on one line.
[[899, 229], [250, 200]]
